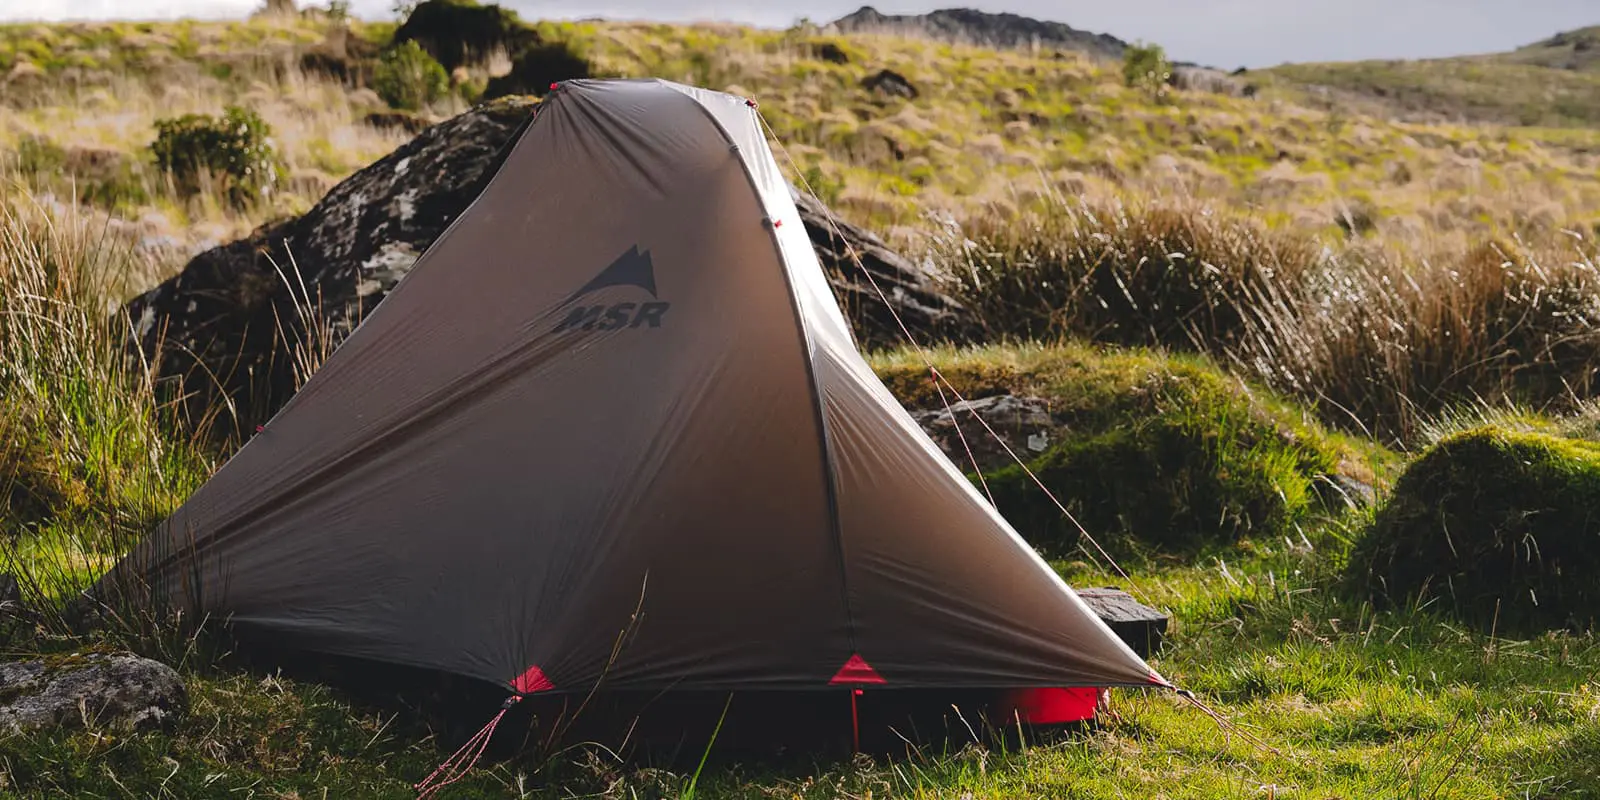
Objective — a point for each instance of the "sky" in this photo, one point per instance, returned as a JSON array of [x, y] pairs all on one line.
[[1220, 33]]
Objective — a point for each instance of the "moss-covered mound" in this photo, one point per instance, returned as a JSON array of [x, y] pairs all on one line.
[[1150, 451], [1501, 528]]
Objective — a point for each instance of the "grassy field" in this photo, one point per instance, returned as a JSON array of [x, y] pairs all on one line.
[[1343, 259]]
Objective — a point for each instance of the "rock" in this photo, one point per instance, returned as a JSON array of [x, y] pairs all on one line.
[[536, 69], [1025, 424], [1140, 626], [215, 326], [968, 26], [830, 52], [460, 34], [407, 121], [1200, 79], [342, 56], [928, 313], [224, 308], [890, 83], [120, 691], [1348, 491]]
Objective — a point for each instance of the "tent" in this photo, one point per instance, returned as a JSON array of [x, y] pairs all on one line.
[[612, 429]]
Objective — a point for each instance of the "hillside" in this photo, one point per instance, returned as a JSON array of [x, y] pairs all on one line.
[[1575, 50], [1552, 83], [988, 131]]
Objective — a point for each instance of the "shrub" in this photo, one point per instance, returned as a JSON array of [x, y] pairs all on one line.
[[459, 33], [536, 69], [1500, 528], [1145, 67], [232, 154], [408, 78]]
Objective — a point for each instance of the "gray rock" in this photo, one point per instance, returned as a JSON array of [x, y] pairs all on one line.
[[215, 327], [1024, 423], [969, 26], [891, 83], [928, 313], [229, 323], [1202, 79], [1348, 490], [96, 691]]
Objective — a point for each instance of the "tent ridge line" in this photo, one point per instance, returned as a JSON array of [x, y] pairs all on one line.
[[829, 466]]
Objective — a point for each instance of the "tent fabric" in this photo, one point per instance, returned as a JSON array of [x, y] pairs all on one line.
[[613, 428]]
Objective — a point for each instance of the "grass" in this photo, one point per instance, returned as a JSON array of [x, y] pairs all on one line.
[[1377, 341]]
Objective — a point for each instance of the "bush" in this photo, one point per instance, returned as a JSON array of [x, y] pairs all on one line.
[[1145, 67], [536, 69], [458, 33], [1154, 452], [232, 154], [408, 78], [1500, 528]]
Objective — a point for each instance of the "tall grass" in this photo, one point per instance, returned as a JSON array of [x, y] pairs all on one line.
[[1376, 341], [88, 458]]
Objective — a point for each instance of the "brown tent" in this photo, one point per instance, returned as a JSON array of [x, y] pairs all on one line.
[[613, 427]]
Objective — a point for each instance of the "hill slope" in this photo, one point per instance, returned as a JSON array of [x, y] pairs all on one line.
[[1575, 50], [989, 131], [1552, 83]]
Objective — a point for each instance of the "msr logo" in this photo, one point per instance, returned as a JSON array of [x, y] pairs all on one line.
[[633, 268]]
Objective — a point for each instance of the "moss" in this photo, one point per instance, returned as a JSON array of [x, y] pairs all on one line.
[[1499, 528], [1158, 452]]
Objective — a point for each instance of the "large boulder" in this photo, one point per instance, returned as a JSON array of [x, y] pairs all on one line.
[[234, 322], [854, 259], [98, 691]]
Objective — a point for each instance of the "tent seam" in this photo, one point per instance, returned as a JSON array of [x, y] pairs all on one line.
[[830, 471]]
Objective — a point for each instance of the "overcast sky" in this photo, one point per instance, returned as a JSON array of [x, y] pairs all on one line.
[[1223, 33]]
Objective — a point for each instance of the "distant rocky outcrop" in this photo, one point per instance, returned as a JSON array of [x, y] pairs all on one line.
[[971, 26], [1215, 81], [233, 321], [97, 691]]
